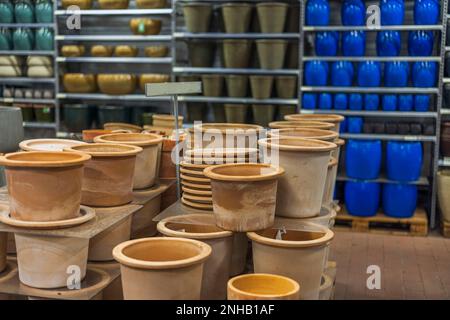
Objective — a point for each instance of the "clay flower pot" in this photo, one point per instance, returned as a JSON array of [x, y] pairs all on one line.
[[261, 86], [326, 288], [236, 53], [162, 268], [307, 133], [146, 167], [108, 176], [443, 184], [305, 162], [330, 182], [236, 17], [131, 128], [272, 16], [299, 255], [3, 250], [197, 16], [201, 53], [263, 114], [261, 286], [271, 53], [216, 270], [335, 119], [48, 144], [44, 186], [244, 195], [301, 124]]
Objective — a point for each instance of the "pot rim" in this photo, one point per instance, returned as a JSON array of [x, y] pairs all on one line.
[[196, 173], [240, 4], [322, 117], [339, 142], [122, 124], [198, 198], [271, 4], [166, 117], [197, 4], [223, 126], [195, 185], [205, 252], [197, 205], [162, 227], [301, 124], [214, 152], [128, 150], [27, 145], [333, 162], [230, 285], [193, 165], [190, 190], [194, 179], [314, 144], [271, 41], [152, 139], [320, 134], [276, 172], [77, 159]]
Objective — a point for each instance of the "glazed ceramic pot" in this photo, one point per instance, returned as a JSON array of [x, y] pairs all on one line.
[[145, 26], [299, 255], [113, 4], [201, 53], [152, 78], [79, 82], [326, 288], [77, 117], [301, 124], [48, 144], [108, 113], [156, 51], [6, 12], [261, 286], [108, 176], [403, 160], [82, 4], [317, 13], [125, 51], [443, 185], [307, 133], [272, 16], [3, 250], [101, 51], [116, 84], [244, 195], [11, 129], [145, 171], [305, 162], [236, 53], [149, 264], [271, 53], [44, 39], [363, 159], [126, 127], [24, 11], [150, 4], [197, 16], [216, 270], [399, 200], [236, 17], [44, 186], [44, 11], [362, 198], [329, 118]]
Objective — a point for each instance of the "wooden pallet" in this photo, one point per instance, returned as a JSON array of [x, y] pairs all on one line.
[[445, 227], [417, 225]]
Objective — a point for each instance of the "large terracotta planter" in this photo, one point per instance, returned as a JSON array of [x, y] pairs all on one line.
[[335, 119], [263, 114], [11, 129], [271, 53], [216, 270], [236, 17], [108, 176], [260, 286], [305, 161], [197, 16], [162, 268], [299, 255], [44, 186], [443, 184], [48, 144], [146, 167], [301, 124], [3, 250], [244, 195], [201, 53], [307, 133], [272, 16], [236, 53], [330, 182]]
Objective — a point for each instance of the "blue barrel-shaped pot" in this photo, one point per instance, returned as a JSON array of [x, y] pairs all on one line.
[[317, 13], [363, 159], [326, 43], [396, 74], [325, 101], [23, 39], [424, 74], [355, 101], [24, 11], [354, 124], [6, 12], [399, 200], [426, 11], [353, 13], [316, 73], [44, 11], [392, 12], [420, 43], [403, 160], [5, 39], [44, 39], [371, 101], [354, 43], [389, 43], [405, 102], [421, 102], [342, 73], [369, 74], [362, 198], [343, 126], [340, 101], [309, 101], [389, 102]]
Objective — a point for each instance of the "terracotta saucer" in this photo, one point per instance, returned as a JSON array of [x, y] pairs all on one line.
[[193, 166], [195, 179], [86, 215], [195, 173], [201, 206], [197, 199], [196, 191], [196, 185]]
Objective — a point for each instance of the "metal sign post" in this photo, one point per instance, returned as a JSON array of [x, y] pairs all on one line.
[[174, 89]]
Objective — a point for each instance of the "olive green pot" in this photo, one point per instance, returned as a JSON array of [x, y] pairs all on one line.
[[197, 16], [263, 114], [271, 53], [44, 113], [261, 86], [284, 110], [212, 85], [195, 111], [218, 112], [286, 87], [272, 16], [236, 53], [236, 113], [201, 53], [237, 85], [77, 117], [236, 17]]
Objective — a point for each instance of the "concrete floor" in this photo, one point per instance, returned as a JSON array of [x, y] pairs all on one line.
[[410, 267]]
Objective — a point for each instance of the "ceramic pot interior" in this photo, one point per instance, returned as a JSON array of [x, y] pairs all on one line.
[[292, 235], [109, 148], [266, 285], [244, 170], [193, 228], [299, 142], [128, 137]]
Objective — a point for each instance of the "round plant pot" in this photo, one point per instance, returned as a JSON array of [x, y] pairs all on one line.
[[307, 133], [127, 127], [236, 17], [216, 270], [271, 53], [403, 160], [107, 114], [305, 162], [301, 124], [201, 53], [244, 195], [108, 176], [284, 110], [237, 85], [162, 268], [443, 185], [44, 186], [77, 117], [197, 16], [326, 288], [236, 53], [263, 114], [3, 250], [261, 86], [261, 286], [326, 218], [329, 118], [299, 255], [48, 144], [399, 200], [286, 86], [328, 194], [272, 16], [212, 85], [89, 135], [11, 129], [146, 168]]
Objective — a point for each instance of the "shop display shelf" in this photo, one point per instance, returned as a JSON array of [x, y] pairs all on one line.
[[220, 35], [40, 125], [371, 58], [26, 53], [379, 113], [422, 181], [213, 70], [233, 100], [107, 97], [140, 60], [27, 25], [26, 100], [397, 137], [436, 27], [24, 80], [371, 89], [120, 12], [444, 162], [118, 38]]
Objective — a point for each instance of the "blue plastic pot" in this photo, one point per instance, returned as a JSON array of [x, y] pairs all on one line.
[[342, 74], [420, 43], [371, 101], [309, 100], [354, 43], [369, 74], [316, 73], [405, 102], [389, 102], [392, 12], [6, 12], [340, 101], [354, 124], [403, 160], [396, 74], [399, 200], [355, 101], [317, 13], [325, 101], [363, 159], [343, 126], [326, 43], [353, 13], [424, 74], [421, 102], [362, 198], [388, 43], [426, 11]]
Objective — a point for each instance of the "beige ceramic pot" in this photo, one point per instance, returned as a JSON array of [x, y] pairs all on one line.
[[236, 53], [272, 16], [236, 17], [244, 195], [271, 53], [330, 118], [162, 268], [131, 128], [301, 124], [116, 84], [330, 183], [197, 16], [108, 176], [326, 288], [261, 286], [443, 185], [166, 121], [298, 254], [305, 161], [307, 133], [44, 186], [337, 152], [216, 270], [48, 144], [3, 250]]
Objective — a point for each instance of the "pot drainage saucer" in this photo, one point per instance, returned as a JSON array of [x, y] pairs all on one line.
[[194, 205], [194, 179], [198, 192], [197, 199], [196, 186], [86, 214]]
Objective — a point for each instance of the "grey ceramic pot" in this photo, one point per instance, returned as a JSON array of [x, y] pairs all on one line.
[[11, 129]]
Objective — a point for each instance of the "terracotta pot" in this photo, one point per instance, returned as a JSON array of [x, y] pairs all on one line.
[[44, 186], [261, 286], [156, 51], [237, 85], [166, 121], [79, 82], [301, 124], [244, 195], [307, 133], [113, 4], [130, 128], [89, 135], [212, 85], [150, 4], [239, 256], [44, 260], [108, 176], [146, 168], [445, 139], [263, 114], [284, 110], [152, 78], [218, 152], [272, 16], [101, 51], [236, 53], [48, 144], [236, 17], [167, 170], [145, 26], [335, 119], [330, 182], [201, 53], [299, 255], [261, 86], [197, 16], [305, 161], [102, 245], [216, 270], [142, 224], [149, 264], [286, 86], [3, 250], [271, 53], [443, 184], [116, 84]]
